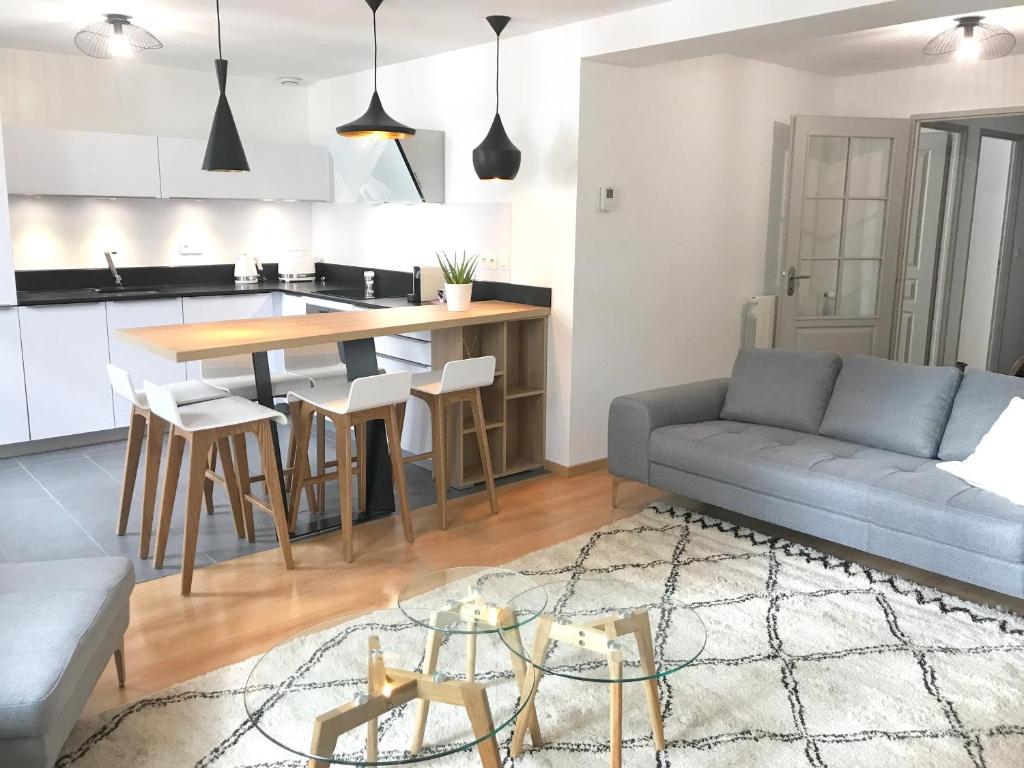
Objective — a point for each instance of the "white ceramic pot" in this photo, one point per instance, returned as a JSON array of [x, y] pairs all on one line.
[[458, 296]]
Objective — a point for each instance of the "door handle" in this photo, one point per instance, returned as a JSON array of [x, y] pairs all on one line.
[[791, 279]]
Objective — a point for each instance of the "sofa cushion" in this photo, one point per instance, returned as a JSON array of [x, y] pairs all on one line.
[[890, 405], [888, 489], [982, 397], [788, 388], [53, 618]]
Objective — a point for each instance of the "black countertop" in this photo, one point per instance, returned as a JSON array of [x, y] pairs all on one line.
[[334, 282]]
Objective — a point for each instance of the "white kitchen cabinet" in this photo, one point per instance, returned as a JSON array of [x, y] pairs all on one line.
[[206, 309], [277, 172], [8, 292], [65, 352], [142, 364], [14, 424], [44, 161]]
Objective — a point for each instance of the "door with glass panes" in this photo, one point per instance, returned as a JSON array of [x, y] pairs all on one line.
[[846, 194]]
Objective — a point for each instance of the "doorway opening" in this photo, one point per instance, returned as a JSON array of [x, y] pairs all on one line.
[[962, 285]]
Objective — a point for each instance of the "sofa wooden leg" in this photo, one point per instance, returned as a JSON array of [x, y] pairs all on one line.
[[119, 664], [616, 482]]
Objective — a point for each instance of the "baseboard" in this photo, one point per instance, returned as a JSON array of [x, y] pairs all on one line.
[[60, 443], [576, 469]]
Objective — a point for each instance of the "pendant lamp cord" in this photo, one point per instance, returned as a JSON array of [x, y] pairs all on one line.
[[497, 75], [220, 51], [374, 50]]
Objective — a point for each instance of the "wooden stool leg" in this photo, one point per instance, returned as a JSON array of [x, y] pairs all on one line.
[[321, 461], [439, 458], [429, 667], [136, 432], [197, 464], [343, 443], [363, 463], [175, 451], [398, 471], [273, 484], [208, 484], [151, 479], [485, 449], [231, 482], [244, 484], [301, 425], [294, 410]]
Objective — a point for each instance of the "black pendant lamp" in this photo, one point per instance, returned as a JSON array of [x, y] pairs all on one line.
[[497, 158], [224, 150], [375, 123]]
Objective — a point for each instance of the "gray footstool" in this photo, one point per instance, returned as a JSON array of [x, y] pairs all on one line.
[[60, 622]]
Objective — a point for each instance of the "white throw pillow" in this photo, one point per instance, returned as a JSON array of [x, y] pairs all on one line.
[[997, 464]]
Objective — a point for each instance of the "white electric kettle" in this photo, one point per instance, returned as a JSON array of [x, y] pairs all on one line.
[[247, 269]]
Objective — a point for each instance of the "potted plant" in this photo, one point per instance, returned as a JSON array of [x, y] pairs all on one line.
[[458, 279]]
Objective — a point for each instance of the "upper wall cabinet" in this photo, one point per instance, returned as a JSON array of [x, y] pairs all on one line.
[[42, 161], [278, 172]]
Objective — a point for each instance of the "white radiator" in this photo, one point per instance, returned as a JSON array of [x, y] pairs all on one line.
[[760, 327]]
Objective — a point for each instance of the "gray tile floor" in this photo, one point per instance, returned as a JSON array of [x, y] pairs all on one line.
[[63, 504]]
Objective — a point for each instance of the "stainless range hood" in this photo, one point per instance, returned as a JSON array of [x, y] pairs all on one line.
[[398, 171]]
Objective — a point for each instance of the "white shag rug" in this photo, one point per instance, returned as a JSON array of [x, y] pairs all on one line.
[[811, 661]]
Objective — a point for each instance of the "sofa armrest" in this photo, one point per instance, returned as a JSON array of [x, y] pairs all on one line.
[[632, 418]]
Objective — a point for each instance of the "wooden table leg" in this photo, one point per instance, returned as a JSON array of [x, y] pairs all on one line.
[[541, 642], [615, 731], [645, 645], [479, 711], [429, 667], [519, 667]]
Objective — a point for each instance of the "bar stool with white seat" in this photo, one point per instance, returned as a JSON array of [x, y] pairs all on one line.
[[349, 404], [459, 382], [203, 425], [234, 374], [144, 423]]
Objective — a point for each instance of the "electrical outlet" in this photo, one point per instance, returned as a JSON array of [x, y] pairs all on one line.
[[489, 262], [189, 249]]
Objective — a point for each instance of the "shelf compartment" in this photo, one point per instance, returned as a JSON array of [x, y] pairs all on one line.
[[472, 472], [493, 399], [525, 355], [482, 340], [524, 433]]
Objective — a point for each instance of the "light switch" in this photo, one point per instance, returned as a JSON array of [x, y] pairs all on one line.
[[607, 199]]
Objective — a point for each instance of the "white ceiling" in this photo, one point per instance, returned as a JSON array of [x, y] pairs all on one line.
[[309, 38], [872, 50]]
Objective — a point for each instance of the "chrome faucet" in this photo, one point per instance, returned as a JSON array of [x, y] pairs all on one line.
[[109, 255]]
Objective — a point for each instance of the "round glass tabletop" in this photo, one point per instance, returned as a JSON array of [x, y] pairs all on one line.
[[472, 600], [318, 693], [609, 631]]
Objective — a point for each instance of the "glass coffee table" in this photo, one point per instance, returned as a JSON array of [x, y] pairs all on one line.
[[471, 602], [606, 631], [347, 692]]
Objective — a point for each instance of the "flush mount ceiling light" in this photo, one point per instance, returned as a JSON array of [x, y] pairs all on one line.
[[224, 150], [375, 123], [115, 38], [971, 39], [497, 158]]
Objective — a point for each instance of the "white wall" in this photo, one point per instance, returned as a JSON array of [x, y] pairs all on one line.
[[69, 232], [662, 279], [128, 96], [930, 89]]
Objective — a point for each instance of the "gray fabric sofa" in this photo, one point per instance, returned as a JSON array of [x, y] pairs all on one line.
[[60, 622], [841, 448]]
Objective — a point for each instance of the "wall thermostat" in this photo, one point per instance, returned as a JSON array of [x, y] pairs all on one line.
[[607, 198]]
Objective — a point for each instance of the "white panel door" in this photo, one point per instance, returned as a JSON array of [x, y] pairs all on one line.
[[277, 172], [14, 424], [142, 364], [65, 353], [207, 309], [843, 234], [44, 161]]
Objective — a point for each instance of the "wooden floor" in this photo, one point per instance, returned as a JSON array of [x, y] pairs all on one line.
[[240, 608]]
